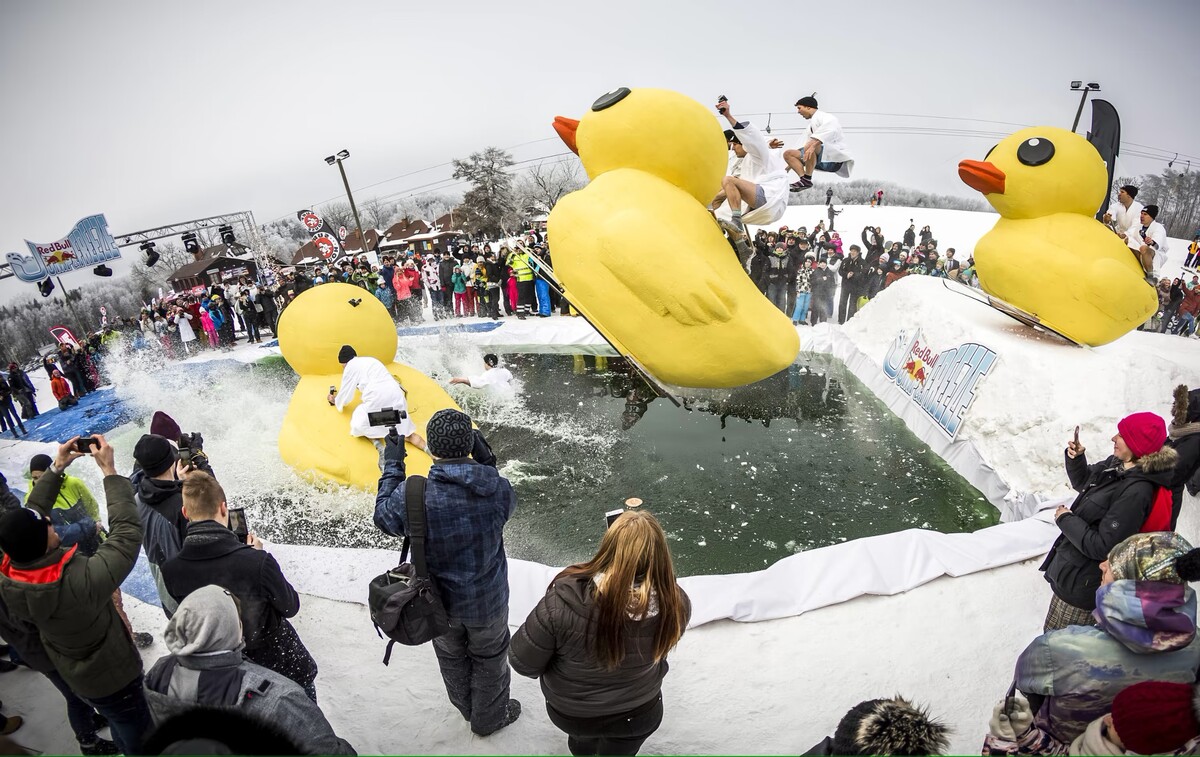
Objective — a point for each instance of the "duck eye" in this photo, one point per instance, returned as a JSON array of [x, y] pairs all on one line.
[[609, 99], [1036, 151], [989, 152]]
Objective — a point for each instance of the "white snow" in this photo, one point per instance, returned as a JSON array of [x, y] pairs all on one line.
[[780, 685]]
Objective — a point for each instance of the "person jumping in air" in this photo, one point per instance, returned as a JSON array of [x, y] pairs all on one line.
[[824, 146], [756, 187]]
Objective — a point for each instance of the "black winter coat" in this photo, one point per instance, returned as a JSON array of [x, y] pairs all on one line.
[[1185, 440], [554, 644], [857, 266], [1112, 505], [822, 282], [212, 554]]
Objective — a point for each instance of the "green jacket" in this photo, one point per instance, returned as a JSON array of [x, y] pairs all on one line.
[[518, 261], [72, 492], [69, 596]]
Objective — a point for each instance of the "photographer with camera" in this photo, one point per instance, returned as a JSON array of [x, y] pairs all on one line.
[[68, 596], [380, 390], [212, 553], [467, 502]]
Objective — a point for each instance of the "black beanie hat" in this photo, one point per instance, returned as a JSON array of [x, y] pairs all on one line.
[[1130, 190], [346, 354], [154, 453], [23, 535], [39, 463], [1151, 210], [449, 434], [808, 102]]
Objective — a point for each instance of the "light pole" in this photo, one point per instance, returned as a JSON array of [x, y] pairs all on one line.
[[353, 208], [1078, 86]]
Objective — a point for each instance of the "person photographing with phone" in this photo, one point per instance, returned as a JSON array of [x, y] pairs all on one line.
[[1118, 497], [213, 553]]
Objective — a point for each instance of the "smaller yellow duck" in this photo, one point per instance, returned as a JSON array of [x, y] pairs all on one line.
[[1047, 254], [315, 438], [640, 255]]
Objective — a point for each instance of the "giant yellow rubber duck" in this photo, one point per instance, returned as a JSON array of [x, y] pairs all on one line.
[[642, 258], [1047, 254], [315, 439]]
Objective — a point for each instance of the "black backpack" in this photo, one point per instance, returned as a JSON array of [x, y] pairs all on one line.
[[404, 602]]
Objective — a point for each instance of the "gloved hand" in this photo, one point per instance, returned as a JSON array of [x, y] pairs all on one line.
[[1012, 725], [394, 447]]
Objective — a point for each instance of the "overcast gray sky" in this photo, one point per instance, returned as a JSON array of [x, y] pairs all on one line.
[[155, 113]]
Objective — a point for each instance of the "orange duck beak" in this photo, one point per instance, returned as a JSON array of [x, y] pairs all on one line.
[[566, 128], [982, 176]]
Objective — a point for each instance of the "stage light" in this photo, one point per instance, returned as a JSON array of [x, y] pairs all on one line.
[[151, 255], [226, 233], [191, 244], [102, 270], [45, 286]]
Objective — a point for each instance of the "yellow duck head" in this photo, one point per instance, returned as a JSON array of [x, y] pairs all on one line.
[[1037, 172], [317, 323], [624, 129]]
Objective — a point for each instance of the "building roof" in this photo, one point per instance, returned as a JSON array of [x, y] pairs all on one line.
[[195, 268], [352, 242]]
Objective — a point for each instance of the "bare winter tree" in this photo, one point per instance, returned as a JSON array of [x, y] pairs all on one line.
[[427, 207], [490, 206], [376, 213], [1177, 195], [338, 214], [146, 281], [543, 185]]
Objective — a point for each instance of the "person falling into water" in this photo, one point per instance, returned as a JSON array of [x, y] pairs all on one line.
[[380, 391], [493, 376]]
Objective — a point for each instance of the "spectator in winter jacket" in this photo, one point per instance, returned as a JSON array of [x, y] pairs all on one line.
[[68, 596], [886, 726], [872, 239], [205, 668], [62, 390], [212, 554], [777, 270], [1151, 717], [804, 289], [467, 502], [159, 491], [853, 273], [895, 274], [876, 275], [1118, 497], [598, 640], [823, 282], [1146, 631], [23, 391], [1184, 437]]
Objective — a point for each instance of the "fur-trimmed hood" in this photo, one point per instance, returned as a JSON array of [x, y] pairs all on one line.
[[1157, 462], [1186, 429], [1185, 410]]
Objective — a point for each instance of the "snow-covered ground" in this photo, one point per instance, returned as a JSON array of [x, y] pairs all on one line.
[[780, 685]]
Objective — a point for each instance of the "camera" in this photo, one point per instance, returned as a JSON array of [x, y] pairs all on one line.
[[237, 523], [386, 417], [721, 104], [85, 444]]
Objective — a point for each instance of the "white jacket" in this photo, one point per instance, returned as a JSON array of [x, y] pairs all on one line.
[[826, 128], [766, 168]]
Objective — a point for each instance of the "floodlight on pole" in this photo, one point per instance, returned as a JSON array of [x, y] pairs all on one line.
[[1078, 86], [349, 195]]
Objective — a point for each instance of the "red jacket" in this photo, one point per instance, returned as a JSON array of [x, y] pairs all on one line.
[[1191, 302], [60, 387]]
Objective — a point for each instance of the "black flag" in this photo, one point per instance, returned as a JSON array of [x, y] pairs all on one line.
[[1105, 136]]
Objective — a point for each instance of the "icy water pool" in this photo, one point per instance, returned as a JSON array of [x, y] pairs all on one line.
[[739, 478]]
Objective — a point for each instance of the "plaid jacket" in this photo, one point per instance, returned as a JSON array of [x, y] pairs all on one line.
[[466, 505]]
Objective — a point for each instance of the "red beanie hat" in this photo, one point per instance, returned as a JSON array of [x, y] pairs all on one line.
[[1154, 717], [1143, 433], [164, 425]]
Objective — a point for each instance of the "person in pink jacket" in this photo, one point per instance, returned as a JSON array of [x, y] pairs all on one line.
[[210, 330]]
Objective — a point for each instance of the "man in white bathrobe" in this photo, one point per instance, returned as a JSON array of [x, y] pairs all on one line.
[[756, 189], [824, 147], [494, 377], [380, 390]]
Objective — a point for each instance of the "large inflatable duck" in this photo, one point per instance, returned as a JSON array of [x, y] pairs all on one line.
[[1047, 254], [640, 255], [315, 439]]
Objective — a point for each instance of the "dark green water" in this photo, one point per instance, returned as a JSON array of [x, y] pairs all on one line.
[[739, 478]]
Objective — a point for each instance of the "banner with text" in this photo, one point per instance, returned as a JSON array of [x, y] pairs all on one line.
[[323, 237], [88, 244], [943, 383]]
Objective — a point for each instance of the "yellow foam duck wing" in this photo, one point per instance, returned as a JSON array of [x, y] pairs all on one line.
[[315, 438], [639, 253], [1047, 254]]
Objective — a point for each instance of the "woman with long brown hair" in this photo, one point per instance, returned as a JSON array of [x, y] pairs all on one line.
[[599, 639]]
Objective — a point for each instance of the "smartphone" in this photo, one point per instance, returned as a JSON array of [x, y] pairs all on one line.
[[611, 516], [85, 444], [237, 523], [1077, 434], [1010, 697]]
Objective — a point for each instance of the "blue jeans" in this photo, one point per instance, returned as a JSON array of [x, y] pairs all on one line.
[[128, 715], [474, 663], [801, 311], [79, 713], [823, 166]]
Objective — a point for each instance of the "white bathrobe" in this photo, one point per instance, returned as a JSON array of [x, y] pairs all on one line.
[[766, 168], [380, 390], [826, 127], [496, 379]]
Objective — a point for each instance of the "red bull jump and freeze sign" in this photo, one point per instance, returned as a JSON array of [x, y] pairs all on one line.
[[88, 244], [940, 383]]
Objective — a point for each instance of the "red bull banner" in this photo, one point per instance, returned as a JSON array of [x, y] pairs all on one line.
[[942, 383]]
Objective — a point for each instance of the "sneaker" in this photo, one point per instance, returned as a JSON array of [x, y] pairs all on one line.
[[510, 716], [99, 722], [142, 639], [800, 186], [99, 746], [13, 723]]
